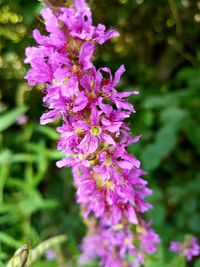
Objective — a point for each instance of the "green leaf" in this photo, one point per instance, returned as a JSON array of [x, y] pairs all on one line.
[[45, 264], [193, 134], [174, 116], [5, 156], [10, 117], [156, 259], [9, 241], [42, 149], [48, 131], [178, 261], [190, 76], [3, 256], [44, 246], [158, 214], [197, 263], [23, 157], [33, 201], [166, 138]]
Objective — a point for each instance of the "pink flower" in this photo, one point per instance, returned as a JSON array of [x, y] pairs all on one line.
[[112, 246], [189, 248], [149, 239], [94, 135]]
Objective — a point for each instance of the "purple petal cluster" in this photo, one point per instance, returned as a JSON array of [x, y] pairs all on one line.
[[118, 245], [189, 248], [94, 135]]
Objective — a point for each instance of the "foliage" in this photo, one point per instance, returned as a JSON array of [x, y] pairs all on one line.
[[25, 256], [159, 47]]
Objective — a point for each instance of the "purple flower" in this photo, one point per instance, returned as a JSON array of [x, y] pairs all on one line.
[[111, 245], [50, 254], [189, 248], [22, 119], [114, 245], [175, 246], [79, 24], [193, 250], [114, 196], [116, 97], [94, 135], [149, 239]]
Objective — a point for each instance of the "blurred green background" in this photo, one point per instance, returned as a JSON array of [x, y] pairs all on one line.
[[159, 46]]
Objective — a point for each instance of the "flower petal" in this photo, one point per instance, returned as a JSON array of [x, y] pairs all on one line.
[[108, 139], [86, 53]]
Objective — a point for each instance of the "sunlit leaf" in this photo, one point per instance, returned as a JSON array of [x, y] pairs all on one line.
[[10, 117]]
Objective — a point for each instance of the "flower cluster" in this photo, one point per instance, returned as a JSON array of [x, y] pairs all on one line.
[[190, 248], [94, 134], [114, 245]]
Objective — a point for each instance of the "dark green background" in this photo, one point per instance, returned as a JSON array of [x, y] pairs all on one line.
[[159, 46]]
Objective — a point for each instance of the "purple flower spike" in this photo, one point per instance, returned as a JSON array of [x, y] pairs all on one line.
[[94, 135]]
